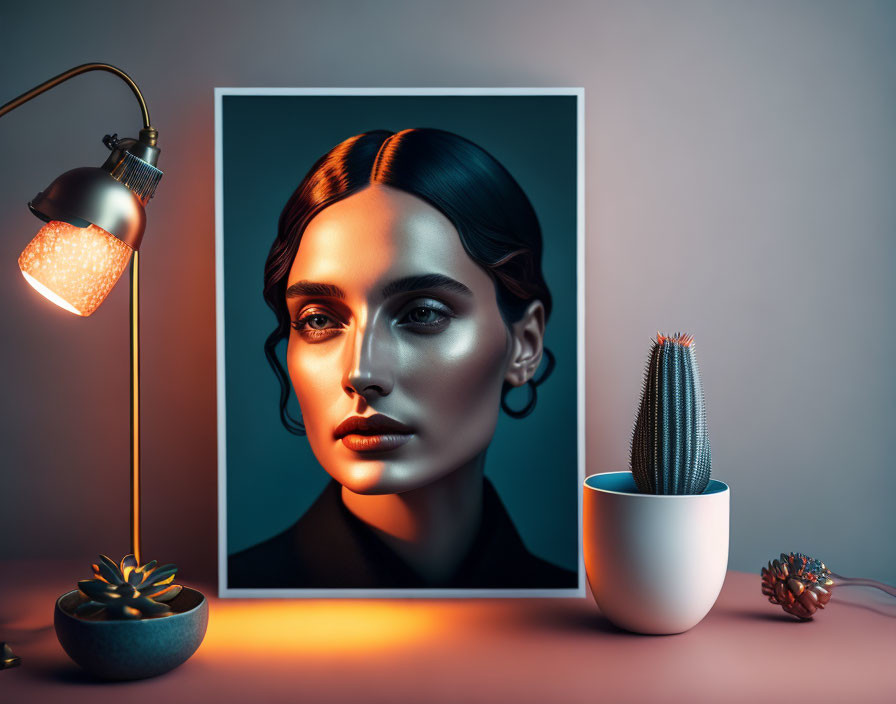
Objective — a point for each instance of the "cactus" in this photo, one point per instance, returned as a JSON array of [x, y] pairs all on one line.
[[127, 590], [670, 448]]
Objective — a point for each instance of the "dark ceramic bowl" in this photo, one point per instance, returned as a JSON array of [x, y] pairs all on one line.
[[132, 649]]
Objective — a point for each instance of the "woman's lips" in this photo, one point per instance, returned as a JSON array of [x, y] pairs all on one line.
[[376, 433], [374, 443]]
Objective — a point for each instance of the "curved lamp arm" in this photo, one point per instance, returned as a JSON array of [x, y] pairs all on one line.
[[71, 73]]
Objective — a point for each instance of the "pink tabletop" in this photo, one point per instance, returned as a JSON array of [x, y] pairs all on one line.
[[545, 651]]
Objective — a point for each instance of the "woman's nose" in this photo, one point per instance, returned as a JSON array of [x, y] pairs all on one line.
[[369, 371]]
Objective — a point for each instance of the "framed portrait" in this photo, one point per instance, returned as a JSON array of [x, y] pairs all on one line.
[[400, 377]]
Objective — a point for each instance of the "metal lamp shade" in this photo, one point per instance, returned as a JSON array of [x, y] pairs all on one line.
[[94, 223]]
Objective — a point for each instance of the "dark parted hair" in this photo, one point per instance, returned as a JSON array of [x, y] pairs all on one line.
[[497, 225]]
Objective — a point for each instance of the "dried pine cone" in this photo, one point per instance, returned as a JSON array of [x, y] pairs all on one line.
[[799, 584]]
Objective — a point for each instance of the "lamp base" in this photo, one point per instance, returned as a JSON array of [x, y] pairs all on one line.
[[134, 648]]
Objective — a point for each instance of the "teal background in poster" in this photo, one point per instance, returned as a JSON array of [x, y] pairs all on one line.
[[268, 144]]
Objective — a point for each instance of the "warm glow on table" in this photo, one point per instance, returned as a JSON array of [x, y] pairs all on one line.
[[322, 628]]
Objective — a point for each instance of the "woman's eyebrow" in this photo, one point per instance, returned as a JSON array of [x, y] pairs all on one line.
[[311, 288], [424, 281], [406, 284]]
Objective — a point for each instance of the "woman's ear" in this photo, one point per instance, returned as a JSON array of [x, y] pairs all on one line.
[[527, 344]]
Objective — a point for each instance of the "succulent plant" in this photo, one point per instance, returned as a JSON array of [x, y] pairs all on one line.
[[670, 448], [128, 590], [798, 583]]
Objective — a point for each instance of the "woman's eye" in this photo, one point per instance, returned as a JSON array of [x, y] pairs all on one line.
[[317, 322], [426, 318], [314, 325]]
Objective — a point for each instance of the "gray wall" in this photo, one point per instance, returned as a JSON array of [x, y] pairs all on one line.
[[740, 169]]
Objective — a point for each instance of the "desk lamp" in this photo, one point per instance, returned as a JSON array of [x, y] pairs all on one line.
[[94, 223]]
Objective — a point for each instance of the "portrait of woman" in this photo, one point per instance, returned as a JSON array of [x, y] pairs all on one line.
[[410, 312]]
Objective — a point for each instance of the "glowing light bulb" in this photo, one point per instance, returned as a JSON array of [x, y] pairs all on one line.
[[75, 267]]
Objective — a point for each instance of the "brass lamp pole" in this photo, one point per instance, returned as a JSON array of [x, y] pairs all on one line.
[[95, 222]]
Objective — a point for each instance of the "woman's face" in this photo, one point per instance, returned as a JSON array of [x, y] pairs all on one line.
[[398, 350]]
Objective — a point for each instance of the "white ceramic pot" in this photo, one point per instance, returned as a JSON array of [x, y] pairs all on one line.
[[655, 563]]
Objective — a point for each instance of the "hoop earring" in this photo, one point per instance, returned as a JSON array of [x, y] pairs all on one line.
[[532, 385], [525, 410]]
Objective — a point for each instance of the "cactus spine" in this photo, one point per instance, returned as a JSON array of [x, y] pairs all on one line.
[[670, 448]]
